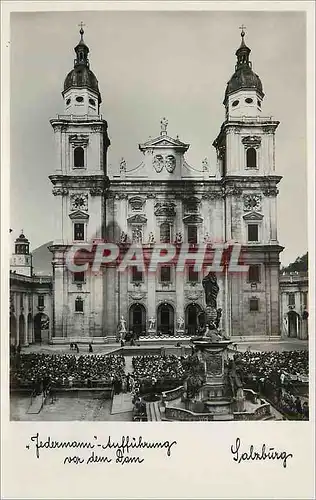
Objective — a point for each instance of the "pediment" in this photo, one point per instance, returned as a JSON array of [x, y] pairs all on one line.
[[253, 216], [164, 141], [78, 214], [137, 219], [192, 219]]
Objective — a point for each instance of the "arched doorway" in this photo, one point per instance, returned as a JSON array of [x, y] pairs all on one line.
[[137, 319], [12, 329], [165, 319], [21, 329], [192, 314], [30, 328], [41, 327], [293, 324]]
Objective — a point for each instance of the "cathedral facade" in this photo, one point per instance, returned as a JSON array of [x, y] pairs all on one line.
[[164, 200]]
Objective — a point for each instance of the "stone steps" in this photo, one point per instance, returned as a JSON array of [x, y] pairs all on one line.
[[153, 412]]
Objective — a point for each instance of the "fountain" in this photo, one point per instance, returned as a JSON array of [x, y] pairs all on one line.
[[213, 390]]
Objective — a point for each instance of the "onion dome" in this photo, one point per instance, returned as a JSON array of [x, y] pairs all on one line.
[[81, 76], [244, 77]]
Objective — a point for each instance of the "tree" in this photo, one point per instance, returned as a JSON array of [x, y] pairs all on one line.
[[299, 265]]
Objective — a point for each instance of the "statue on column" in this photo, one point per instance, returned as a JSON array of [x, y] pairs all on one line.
[[211, 289]]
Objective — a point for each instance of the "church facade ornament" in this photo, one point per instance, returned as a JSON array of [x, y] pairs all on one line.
[[60, 191], [164, 208], [96, 191], [233, 191], [79, 140], [168, 162], [251, 141], [252, 202], [271, 192]]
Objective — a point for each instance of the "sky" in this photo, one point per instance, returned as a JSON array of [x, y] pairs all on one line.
[[150, 65]]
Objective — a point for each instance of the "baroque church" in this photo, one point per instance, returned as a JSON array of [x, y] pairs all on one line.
[[164, 199]]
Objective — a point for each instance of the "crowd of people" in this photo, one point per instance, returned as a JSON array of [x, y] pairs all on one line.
[[281, 377], [67, 370], [158, 370], [277, 376]]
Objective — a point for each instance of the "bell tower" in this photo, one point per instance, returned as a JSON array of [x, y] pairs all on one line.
[[246, 160], [79, 185], [21, 260]]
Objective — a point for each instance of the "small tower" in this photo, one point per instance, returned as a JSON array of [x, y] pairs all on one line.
[[81, 90], [21, 260], [244, 92]]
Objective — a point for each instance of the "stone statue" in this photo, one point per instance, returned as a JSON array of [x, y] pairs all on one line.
[[180, 323], [218, 317], [178, 238], [164, 125], [211, 289], [205, 165], [123, 238], [122, 325], [151, 238], [122, 165], [152, 323]]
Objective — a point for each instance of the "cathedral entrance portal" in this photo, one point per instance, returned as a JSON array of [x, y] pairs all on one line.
[[192, 313], [165, 319], [137, 319]]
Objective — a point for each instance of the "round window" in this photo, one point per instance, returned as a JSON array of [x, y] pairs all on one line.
[[68, 102], [259, 103], [92, 102], [235, 103], [79, 98], [249, 100]]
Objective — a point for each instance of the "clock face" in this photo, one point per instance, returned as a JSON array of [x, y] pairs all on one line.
[[79, 202], [252, 202]]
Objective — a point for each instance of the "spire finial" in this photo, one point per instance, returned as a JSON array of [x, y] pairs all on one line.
[[81, 31], [242, 28]]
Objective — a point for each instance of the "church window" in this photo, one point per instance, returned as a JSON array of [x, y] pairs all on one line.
[[79, 157], [192, 234], [235, 103], [79, 277], [259, 103], [79, 98], [40, 301], [253, 232], [79, 305], [78, 231], [291, 299], [68, 102], [92, 102], [165, 274], [251, 155], [254, 274], [165, 232], [249, 100], [253, 304], [137, 275], [193, 275], [21, 300]]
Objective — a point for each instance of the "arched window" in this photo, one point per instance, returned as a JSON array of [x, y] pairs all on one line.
[[251, 158], [79, 157]]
